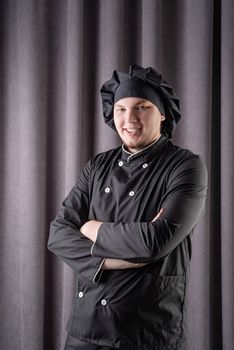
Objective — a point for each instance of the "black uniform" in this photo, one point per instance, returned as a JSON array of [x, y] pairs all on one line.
[[133, 309]]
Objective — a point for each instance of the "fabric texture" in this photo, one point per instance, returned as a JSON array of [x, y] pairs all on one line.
[[133, 88], [142, 308], [54, 58], [76, 344]]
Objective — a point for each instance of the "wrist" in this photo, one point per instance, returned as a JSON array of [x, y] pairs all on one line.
[[90, 229]]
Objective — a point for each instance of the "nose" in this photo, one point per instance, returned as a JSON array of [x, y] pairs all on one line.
[[130, 116]]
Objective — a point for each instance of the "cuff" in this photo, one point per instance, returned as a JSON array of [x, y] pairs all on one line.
[[99, 272]]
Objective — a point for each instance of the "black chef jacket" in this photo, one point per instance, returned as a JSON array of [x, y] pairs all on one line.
[[133, 309]]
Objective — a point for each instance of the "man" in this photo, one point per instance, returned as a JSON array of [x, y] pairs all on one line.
[[126, 226]]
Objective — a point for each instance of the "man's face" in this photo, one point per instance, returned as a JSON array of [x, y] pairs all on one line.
[[137, 122]]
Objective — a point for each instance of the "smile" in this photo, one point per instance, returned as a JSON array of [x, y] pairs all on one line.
[[132, 131]]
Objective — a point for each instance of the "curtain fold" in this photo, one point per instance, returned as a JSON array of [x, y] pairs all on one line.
[[54, 57], [227, 172]]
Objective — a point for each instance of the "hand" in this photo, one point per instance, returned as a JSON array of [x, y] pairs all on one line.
[[90, 229], [161, 211]]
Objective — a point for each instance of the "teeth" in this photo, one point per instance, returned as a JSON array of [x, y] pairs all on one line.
[[132, 130]]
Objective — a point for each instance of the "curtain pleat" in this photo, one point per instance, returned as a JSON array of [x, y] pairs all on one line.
[[227, 173], [54, 57]]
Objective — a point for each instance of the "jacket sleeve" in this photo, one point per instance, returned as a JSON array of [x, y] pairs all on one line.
[[183, 205], [65, 239]]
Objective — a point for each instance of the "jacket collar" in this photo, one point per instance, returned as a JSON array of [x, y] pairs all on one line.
[[146, 153]]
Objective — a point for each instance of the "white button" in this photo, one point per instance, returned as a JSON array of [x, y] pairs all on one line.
[[121, 163], [81, 294], [144, 165], [131, 193], [103, 302], [107, 189]]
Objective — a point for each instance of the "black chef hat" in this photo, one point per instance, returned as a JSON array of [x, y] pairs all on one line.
[[145, 83]]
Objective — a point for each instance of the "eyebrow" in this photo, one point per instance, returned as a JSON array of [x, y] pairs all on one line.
[[137, 104], [118, 105]]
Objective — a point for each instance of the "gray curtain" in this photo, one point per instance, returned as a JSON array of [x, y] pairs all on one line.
[[54, 57]]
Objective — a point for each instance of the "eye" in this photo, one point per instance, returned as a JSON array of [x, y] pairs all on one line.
[[142, 108], [119, 110]]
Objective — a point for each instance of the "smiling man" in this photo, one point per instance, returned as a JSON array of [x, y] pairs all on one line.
[[138, 122], [126, 226]]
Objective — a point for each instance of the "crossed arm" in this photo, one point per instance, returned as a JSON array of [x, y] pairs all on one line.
[[71, 235], [90, 230]]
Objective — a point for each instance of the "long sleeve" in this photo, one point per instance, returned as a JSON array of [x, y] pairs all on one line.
[[183, 204], [65, 239]]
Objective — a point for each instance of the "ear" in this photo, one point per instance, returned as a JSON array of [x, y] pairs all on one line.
[[163, 117]]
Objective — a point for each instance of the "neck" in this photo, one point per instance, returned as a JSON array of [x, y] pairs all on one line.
[[141, 150]]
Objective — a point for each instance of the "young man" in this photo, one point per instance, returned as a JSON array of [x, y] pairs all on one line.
[[126, 226]]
